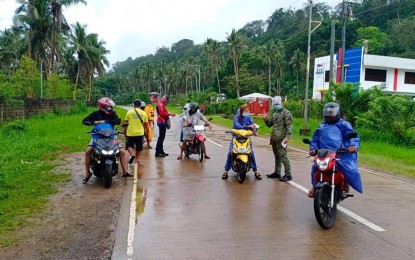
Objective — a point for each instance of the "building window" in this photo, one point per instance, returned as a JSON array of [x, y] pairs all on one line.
[[375, 75], [327, 76], [409, 77]]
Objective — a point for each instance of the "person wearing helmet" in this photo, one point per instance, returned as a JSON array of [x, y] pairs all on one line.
[[104, 115], [330, 135], [191, 116]]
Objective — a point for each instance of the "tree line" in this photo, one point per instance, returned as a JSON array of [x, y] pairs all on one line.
[[266, 56], [42, 55]]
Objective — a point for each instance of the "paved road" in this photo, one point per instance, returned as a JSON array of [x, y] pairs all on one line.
[[184, 210]]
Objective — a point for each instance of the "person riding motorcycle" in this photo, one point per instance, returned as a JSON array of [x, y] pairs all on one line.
[[330, 135], [104, 115], [191, 117], [242, 120]]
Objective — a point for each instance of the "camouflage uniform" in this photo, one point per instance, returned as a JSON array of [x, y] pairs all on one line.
[[282, 125]]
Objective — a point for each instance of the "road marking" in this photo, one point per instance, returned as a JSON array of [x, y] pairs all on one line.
[[215, 143], [131, 226], [345, 211]]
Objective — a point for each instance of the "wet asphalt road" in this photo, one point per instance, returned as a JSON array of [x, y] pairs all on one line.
[[184, 210]]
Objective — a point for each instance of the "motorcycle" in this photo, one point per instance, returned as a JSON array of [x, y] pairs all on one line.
[[241, 152], [197, 144], [331, 188], [105, 154]]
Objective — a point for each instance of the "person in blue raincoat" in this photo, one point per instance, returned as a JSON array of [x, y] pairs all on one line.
[[242, 120], [330, 135]]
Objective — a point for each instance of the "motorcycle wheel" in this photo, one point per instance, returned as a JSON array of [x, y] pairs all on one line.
[[108, 176], [241, 173], [187, 150], [201, 151], [325, 215]]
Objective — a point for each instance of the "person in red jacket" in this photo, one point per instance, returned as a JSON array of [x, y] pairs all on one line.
[[162, 118]]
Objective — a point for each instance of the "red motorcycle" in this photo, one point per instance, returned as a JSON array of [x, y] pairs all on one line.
[[331, 187], [197, 144]]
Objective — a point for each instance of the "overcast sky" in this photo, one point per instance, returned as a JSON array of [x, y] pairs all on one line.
[[134, 28]]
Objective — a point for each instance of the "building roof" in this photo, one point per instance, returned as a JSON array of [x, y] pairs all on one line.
[[388, 62]]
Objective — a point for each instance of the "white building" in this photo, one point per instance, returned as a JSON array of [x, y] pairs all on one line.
[[392, 74]]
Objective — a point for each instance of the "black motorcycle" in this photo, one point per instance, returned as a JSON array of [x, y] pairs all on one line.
[[105, 154]]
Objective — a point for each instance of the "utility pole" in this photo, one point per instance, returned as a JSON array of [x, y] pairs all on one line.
[[342, 79], [305, 130], [333, 36], [41, 79]]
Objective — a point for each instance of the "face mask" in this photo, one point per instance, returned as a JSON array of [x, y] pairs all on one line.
[[246, 114], [278, 107]]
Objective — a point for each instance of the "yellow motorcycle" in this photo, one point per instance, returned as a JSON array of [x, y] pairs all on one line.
[[241, 152]]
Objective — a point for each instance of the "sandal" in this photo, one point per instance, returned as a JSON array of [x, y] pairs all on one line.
[[225, 175], [207, 157], [258, 176], [86, 179], [310, 193], [131, 160], [127, 174]]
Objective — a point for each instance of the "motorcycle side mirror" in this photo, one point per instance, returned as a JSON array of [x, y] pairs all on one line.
[[306, 141], [350, 136]]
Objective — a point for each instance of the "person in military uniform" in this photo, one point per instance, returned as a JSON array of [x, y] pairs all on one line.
[[281, 122]]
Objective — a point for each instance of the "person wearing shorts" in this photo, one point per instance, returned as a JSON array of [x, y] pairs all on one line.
[[137, 121]]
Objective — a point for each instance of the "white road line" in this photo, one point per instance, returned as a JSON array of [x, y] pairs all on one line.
[[345, 211], [131, 226], [215, 143]]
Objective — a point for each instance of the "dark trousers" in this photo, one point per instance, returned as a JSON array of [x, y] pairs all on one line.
[[162, 136]]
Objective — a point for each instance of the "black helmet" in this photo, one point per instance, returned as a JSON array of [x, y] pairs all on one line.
[[193, 107], [331, 112]]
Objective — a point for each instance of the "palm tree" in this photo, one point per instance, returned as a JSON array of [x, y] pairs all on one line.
[[269, 50], [146, 72], [236, 45], [298, 63], [58, 20], [12, 47], [279, 70], [212, 49]]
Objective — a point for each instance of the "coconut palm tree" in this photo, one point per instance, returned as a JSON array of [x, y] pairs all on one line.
[[235, 44], [58, 21], [212, 49], [298, 63], [269, 51]]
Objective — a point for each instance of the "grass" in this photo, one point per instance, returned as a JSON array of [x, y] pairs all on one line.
[[27, 176], [385, 157]]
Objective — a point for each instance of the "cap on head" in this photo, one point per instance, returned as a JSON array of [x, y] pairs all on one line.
[[277, 100], [143, 104], [137, 103]]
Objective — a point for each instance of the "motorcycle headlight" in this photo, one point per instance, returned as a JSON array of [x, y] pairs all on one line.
[[107, 152], [323, 164], [241, 150]]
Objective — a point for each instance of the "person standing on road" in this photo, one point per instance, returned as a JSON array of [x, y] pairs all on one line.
[[281, 122], [137, 121], [150, 113], [163, 123]]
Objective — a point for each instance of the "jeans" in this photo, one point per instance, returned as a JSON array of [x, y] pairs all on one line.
[[162, 136]]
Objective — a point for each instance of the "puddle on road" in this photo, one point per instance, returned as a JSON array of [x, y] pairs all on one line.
[[140, 201]]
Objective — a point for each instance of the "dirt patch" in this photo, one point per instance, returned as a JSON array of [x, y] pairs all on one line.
[[79, 223]]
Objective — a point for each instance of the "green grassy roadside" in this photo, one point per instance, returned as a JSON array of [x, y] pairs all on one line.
[[385, 157], [27, 166]]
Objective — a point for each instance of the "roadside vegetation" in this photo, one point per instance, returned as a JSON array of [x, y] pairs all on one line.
[[30, 152]]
